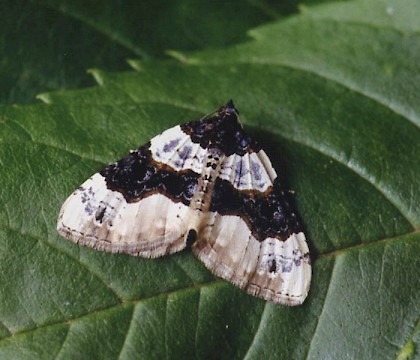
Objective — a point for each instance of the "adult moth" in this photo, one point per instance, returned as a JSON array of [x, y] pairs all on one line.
[[206, 181]]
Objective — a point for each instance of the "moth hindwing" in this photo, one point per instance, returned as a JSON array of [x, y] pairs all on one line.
[[208, 178]]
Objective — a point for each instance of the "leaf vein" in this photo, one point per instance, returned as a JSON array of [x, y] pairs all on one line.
[[128, 333], [55, 248], [64, 342], [322, 313], [402, 110], [252, 343], [358, 170], [109, 308]]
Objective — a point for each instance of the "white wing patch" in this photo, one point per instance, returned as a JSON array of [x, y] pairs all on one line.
[[274, 270], [248, 172], [102, 219], [174, 148]]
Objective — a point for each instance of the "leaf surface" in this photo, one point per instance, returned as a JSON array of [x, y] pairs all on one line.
[[48, 45]]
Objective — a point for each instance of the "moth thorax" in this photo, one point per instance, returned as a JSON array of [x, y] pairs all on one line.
[[211, 169]]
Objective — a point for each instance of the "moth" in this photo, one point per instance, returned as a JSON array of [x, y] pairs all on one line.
[[205, 182]]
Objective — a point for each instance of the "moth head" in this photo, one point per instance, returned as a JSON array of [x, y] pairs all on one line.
[[229, 112]]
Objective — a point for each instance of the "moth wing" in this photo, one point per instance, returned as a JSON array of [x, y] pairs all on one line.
[[251, 171], [274, 270], [138, 213], [102, 219], [268, 267]]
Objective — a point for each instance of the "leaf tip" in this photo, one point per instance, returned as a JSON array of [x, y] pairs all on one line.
[[44, 97], [135, 64], [97, 75], [181, 57]]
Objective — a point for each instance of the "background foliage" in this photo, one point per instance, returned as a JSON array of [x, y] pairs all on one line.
[[331, 91]]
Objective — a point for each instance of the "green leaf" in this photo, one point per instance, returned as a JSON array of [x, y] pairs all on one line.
[[331, 96], [43, 50], [48, 45]]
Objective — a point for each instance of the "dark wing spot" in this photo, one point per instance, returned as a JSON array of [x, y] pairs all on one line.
[[89, 209], [256, 170], [171, 145], [185, 152], [100, 214], [191, 237], [273, 267]]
